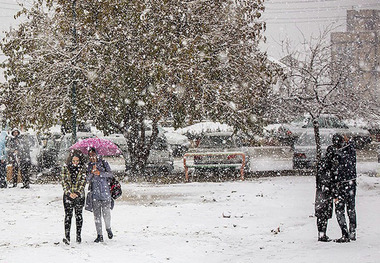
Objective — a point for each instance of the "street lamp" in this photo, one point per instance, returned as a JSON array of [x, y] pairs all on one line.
[[74, 83]]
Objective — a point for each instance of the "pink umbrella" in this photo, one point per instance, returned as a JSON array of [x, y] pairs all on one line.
[[103, 147]]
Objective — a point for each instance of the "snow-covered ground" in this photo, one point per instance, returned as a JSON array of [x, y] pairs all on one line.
[[261, 220]]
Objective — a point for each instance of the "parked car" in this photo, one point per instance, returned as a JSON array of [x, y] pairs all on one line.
[[179, 143], [290, 132], [66, 143], [211, 148], [47, 159], [160, 159], [305, 148]]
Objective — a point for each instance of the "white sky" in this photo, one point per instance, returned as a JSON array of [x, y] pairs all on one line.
[[284, 18], [288, 18]]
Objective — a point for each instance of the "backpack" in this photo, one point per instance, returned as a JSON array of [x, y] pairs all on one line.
[[115, 188]]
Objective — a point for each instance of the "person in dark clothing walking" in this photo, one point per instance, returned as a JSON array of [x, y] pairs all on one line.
[[345, 189], [324, 197], [73, 183], [19, 158]]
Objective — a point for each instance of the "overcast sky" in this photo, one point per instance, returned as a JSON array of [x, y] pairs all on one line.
[[292, 18], [284, 18]]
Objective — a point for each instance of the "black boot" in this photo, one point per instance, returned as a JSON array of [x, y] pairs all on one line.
[[323, 238], [79, 239], [353, 235], [99, 239], [343, 239], [66, 240], [110, 234]]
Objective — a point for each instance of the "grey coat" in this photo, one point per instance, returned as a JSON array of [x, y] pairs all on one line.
[[99, 185]]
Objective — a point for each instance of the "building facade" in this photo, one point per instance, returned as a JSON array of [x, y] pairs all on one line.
[[359, 48]]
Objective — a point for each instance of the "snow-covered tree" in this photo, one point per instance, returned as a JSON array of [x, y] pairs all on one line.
[[138, 60]]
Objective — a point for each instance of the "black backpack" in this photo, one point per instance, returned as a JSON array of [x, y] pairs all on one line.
[[115, 188]]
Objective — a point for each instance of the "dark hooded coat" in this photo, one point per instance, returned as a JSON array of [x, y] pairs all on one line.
[[324, 190]]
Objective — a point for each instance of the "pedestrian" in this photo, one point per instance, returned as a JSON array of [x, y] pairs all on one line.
[[98, 176], [19, 158], [324, 197], [345, 188], [3, 160], [73, 183]]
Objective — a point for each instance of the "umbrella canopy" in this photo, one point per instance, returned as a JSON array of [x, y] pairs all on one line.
[[103, 147]]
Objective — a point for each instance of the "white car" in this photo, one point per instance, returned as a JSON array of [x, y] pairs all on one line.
[[290, 132], [160, 159], [220, 152], [66, 143], [305, 148], [179, 143]]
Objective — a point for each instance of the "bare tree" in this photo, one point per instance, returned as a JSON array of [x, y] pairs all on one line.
[[314, 83]]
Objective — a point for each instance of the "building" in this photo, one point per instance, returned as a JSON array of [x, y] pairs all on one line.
[[359, 47]]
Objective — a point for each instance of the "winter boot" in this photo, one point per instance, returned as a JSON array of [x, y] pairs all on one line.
[[353, 235], [110, 234], [323, 238], [99, 239], [343, 239], [66, 241]]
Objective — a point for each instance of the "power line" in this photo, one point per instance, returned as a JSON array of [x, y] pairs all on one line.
[[304, 21], [302, 18], [301, 2], [9, 8], [314, 9]]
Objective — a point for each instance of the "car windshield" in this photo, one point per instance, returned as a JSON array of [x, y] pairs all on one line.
[[308, 139], [328, 122], [217, 142]]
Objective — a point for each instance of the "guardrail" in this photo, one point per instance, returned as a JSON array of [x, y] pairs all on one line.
[[211, 165]]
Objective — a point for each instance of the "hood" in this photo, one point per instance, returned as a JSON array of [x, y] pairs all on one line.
[[15, 129]]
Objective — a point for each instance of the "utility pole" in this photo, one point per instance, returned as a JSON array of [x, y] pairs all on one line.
[[74, 82]]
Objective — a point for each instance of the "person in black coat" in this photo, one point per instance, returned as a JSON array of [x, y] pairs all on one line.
[[324, 195], [345, 189], [19, 156]]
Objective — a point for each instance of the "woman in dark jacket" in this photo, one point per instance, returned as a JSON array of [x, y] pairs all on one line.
[[73, 183], [323, 199], [99, 174], [345, 191], [326, 186]]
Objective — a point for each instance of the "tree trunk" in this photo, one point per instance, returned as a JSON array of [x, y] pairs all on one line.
[[317, 136], [139, 146]]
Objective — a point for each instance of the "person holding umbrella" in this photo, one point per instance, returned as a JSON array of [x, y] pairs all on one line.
[[73, 183], [99, 173]]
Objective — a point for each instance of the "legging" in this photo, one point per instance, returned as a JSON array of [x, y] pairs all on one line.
[[346, 199], [76, 204]]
